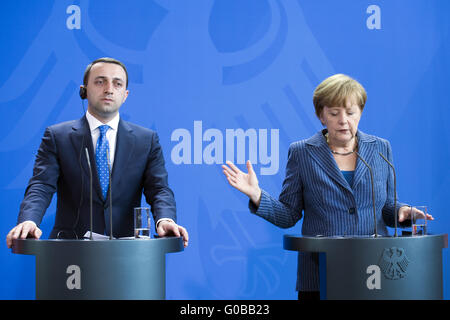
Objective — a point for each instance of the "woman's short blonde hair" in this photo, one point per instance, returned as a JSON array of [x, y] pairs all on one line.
[[335, 90]]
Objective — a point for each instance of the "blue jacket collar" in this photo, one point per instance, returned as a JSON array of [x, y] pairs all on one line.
[[320, 152]]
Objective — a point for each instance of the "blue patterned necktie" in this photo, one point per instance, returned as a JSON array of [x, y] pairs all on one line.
[[101, 158]]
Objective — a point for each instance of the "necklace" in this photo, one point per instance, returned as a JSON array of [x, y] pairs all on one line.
[[341, 153]]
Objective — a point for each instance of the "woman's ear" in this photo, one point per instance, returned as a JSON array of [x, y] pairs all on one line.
[[321, 118]]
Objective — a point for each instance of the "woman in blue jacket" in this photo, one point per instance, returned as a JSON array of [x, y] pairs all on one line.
[[326, 182]]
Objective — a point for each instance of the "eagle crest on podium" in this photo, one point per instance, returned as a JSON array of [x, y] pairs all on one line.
[[393, 263]]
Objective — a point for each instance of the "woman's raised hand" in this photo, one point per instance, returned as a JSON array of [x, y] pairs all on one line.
[[247, 183]]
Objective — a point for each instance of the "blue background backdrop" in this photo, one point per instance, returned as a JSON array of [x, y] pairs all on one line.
[[230, 64]]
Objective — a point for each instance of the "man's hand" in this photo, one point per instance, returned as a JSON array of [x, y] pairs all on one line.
[[22, 231], [168, 228]]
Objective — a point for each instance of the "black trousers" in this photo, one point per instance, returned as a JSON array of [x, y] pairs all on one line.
[[309, 295]]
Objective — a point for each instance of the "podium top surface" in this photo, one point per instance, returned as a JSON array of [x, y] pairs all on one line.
[[294, 242], [33, 246]]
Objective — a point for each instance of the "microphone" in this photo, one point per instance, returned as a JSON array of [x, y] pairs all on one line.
[[395, 191], [373, 193], [110, 196], [63, 231], [90, 189]]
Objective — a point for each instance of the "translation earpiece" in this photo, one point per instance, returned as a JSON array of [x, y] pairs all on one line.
[[83, 94]]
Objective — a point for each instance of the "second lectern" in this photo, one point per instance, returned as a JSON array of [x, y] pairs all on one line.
[[369, 268]]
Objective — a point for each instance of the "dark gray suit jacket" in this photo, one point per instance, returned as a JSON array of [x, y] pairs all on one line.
[[61, 167]]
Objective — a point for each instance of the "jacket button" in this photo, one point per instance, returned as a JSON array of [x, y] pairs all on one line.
[[351, 210]]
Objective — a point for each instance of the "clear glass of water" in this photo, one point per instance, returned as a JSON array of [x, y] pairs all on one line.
[[419, 220], [142, 223]]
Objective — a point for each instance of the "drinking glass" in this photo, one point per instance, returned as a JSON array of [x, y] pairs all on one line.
[[419, 220], [142, 223]]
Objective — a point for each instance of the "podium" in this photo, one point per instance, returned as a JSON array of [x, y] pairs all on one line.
[[100, 269], [368, 268]]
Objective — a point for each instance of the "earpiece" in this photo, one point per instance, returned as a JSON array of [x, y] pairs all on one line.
[[83, 94]]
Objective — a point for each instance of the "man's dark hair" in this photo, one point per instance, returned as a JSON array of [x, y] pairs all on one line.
[[105, 60]]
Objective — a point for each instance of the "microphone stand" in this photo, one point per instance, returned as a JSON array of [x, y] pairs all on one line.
[[90, 190], [395, 192], [373, 193], [110, 197]]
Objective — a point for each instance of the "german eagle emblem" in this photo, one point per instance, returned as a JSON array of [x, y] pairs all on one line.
[[394, 263]]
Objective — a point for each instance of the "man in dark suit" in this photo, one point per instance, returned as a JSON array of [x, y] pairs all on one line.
[[132, 153]]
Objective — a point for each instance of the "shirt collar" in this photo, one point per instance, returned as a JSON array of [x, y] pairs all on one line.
[[94, 123]]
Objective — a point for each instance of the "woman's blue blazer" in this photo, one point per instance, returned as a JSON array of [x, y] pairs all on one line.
[[314, 188]]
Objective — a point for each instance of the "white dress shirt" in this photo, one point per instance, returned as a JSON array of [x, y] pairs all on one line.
[[111, 134]]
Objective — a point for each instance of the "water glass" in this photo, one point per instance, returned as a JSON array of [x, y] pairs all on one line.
[[419, 220], [142, 223]]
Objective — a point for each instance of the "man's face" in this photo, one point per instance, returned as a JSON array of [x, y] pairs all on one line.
[[106, 90]]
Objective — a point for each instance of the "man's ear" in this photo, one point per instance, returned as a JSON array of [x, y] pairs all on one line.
[[125, 96]]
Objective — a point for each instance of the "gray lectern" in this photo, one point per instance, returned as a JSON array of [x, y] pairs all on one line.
[[100, 269], [376, 268]]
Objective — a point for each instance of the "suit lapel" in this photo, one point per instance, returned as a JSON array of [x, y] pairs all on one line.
[[321, 154], [81, 138], [366, 149], [125, 142]]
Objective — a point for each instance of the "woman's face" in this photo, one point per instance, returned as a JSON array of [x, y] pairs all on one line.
[[341, 122]]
